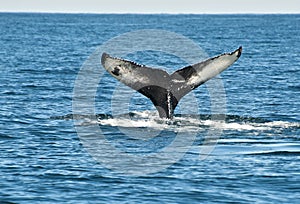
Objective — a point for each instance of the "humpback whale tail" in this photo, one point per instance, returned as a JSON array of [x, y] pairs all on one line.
[[163, 89]]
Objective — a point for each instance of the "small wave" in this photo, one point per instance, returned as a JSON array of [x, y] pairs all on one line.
[[277, 153], [79, 117], [4, 136]]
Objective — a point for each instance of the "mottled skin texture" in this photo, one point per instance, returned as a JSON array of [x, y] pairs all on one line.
[[163, 89]]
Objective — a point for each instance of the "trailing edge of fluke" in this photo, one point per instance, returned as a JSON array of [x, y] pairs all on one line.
[[163, 89]]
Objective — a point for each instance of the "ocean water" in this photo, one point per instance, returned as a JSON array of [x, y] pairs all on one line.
[[50, 153]]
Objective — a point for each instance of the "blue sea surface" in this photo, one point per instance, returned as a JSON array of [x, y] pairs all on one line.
[[44, 160]]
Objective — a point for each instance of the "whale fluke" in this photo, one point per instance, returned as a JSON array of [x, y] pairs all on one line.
[[163, 89]]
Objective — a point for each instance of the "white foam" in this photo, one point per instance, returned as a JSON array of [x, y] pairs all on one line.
[[250, 126], [283, 124], [148, 119]]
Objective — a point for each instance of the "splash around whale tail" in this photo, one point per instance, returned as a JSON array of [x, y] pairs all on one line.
[[163, 89]]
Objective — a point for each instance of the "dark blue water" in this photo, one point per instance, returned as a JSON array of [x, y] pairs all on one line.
[[43, 159]]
